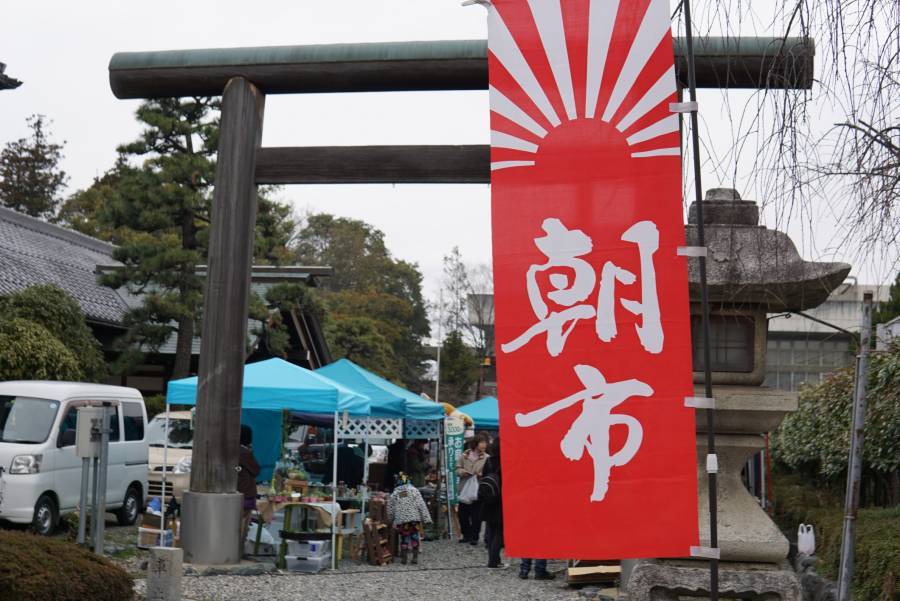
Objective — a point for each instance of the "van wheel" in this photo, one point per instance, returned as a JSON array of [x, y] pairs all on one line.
[[131, 507], [46, 516]]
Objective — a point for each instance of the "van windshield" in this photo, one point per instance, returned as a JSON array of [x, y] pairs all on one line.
[[26, 420], [181, 436]]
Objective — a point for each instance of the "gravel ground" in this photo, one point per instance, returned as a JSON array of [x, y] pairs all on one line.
[[447, 571]]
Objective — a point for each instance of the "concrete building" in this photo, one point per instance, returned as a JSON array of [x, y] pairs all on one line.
[[803, 349]]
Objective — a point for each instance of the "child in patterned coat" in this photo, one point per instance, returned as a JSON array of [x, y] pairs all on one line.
[[407, 511]]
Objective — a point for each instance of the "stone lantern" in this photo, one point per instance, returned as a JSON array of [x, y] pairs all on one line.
[[751, 271]]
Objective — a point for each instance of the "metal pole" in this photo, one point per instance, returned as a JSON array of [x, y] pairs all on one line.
[[162, 502], [857, 436], [334, 515], [101, 480], [83, 502], [437, 378], [364, 500], [704, 306], [95, 469]]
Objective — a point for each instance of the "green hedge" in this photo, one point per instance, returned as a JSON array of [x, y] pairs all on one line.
[[877, 564], [34, 568]]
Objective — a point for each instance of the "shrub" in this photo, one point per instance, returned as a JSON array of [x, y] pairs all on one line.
[[34, 568], [816, 438], [155, 404], [876, 570], [30, 352], [51, 307]]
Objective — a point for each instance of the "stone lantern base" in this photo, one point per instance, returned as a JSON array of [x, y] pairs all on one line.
[[677, 580]]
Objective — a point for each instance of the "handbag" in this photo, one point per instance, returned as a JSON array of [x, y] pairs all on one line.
[[469, 492]]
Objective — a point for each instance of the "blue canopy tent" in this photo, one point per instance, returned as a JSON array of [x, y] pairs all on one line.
[[388, 399], [484, 412], [273, 386]]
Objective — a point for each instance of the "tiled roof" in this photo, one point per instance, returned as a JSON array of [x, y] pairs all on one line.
[[35, 252]]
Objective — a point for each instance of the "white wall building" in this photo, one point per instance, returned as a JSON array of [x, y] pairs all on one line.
[[802, 350]]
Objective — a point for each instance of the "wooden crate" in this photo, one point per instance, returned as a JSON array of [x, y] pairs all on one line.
[[592, 572], [378, 543]]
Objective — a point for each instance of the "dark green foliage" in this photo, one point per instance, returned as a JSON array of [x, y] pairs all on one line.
[[359, 340], [877, 541], [816, 438], [275, 227], [294, 297], [459, 369], [34, 568], [30, 177], [155, 404], [282, 300], [889, 309], [50, 307], [164, 205], [379, 297], [30, 352]]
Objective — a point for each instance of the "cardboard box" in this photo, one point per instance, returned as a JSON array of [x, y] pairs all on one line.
[[152, 537]]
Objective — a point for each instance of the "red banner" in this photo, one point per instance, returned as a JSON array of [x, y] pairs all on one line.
[[592, 319]]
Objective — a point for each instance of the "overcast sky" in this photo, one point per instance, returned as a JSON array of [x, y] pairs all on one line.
[[61, 50]]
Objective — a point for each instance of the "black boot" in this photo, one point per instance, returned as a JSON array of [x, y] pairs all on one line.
[[415, 557], [403, 556]]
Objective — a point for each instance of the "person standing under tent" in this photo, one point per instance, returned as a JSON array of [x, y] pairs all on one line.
[[471, 465], [394, 466], [247, 474], [417, 462], [407, 512]]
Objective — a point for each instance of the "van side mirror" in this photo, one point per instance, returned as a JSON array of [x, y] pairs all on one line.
[[66, 439]]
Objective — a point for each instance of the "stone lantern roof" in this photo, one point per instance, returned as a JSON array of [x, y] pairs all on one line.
[[748, 264]]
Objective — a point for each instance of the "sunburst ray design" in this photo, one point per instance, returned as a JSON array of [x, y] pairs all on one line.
[[621, 86]]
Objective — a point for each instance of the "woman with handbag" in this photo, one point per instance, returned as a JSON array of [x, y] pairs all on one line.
[[469, 468]]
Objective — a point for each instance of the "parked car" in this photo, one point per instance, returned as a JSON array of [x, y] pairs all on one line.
[[40, 474], [178, 456]]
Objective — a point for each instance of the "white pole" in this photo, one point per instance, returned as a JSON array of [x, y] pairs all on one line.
[[334, 515], [162, 522]]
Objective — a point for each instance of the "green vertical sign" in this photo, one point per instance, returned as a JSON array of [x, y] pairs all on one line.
[[455, 430]]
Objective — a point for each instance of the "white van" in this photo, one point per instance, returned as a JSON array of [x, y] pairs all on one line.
[[178, 456], [40, 474]]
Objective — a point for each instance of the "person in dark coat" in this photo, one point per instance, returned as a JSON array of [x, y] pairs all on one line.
[[350, 467], [490, 495], [247, 474], [395, 458], [417, 462]]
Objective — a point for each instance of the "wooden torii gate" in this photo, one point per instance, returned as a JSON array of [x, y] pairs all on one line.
[[243, 77]]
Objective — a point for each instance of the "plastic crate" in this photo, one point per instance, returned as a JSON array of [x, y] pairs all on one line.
[[312, 548], [307, 564]]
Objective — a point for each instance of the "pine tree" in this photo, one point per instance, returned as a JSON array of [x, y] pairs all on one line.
[[30, 177], [165, 204], [155, 205]]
